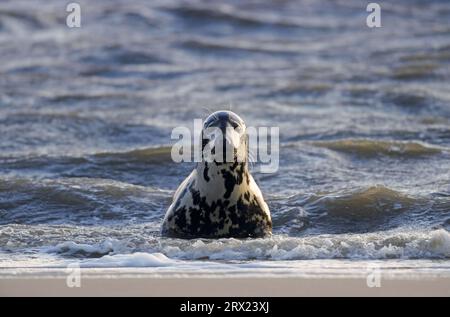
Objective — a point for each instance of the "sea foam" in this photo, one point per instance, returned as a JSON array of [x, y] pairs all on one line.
[[370, 246]]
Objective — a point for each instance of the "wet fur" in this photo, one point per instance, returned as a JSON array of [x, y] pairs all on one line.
[[218, 200]]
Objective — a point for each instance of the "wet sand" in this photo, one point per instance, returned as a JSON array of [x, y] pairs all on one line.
[[192, 286]]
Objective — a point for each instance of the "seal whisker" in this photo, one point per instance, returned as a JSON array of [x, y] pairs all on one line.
[[207, 109], [251, 159]]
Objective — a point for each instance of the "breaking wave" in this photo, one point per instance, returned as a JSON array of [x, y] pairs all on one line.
[[371, 246], [373, 148]]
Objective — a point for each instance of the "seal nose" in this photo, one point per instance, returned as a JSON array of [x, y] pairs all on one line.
[[224, 142], [222, 135], [230, 137]]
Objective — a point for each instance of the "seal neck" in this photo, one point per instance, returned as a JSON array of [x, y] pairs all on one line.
[[212, 172]]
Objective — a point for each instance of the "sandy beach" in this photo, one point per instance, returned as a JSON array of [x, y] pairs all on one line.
[[104, 283]]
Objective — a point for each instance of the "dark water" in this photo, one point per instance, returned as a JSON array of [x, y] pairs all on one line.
[[86, 116]]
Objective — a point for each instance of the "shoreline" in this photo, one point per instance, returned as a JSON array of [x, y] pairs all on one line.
[[113, 282]]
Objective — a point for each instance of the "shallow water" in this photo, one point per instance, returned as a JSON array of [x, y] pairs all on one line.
[[86, 116]]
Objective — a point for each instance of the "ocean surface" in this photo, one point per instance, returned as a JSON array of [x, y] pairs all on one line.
[[86, 116]]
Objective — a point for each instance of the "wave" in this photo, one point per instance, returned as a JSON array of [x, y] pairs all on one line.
[[138, 259], [435, 244], [140, 166], [116, 55], [153, 155], [83, 249], [415, 99], [83, 201], [372, 148], [380, 245], [299, 88], [232, 15], [208, 45], [369, 202], [358, 210], [414, 72], [19, 21], [99, 201]]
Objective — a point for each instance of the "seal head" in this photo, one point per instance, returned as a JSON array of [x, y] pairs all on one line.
[[220, 198]]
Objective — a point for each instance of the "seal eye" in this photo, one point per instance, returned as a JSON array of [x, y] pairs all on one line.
[[239, 129], [224, 119], [234, 124]]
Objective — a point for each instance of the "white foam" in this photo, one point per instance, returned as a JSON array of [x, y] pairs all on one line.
[[73, 248], [138, 259], [381, 245], [370, 246], [440, 242]]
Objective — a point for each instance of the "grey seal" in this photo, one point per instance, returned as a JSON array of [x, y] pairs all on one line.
[[220, 198]]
